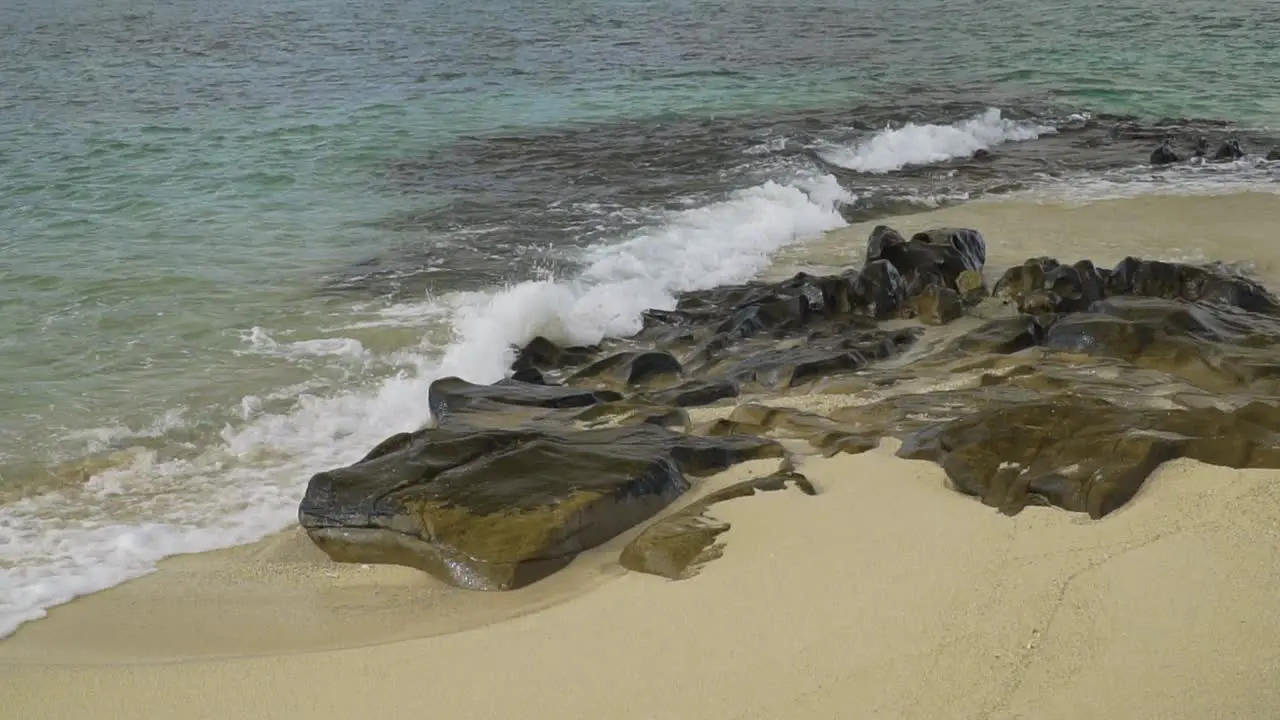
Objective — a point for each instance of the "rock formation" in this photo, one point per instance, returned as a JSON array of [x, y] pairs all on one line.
[[1080, 381]]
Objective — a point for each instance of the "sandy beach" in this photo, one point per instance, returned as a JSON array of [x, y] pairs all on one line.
[[886, 595]]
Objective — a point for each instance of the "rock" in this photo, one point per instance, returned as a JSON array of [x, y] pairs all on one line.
[[937, 305], [1100, 375], [512, 400], [1043, 285], [1274, 155], [885, 242], [530, 375], [1001, 336], [1207, 345], [1164, 155], [541, 355], [677, 546], [1229, 150], [629, 369], [1023, 279], [1084, 454], [1153, 278], [969, 246], [933, 257], [881, 289], [971, 287], [697, 392], [499, 509]]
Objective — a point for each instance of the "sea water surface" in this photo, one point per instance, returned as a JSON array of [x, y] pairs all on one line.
[[239, 239]]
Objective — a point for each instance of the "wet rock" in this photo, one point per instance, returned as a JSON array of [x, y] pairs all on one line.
[[697, 392], [499, 509], [679, 545], [1207, 345], [1043, 285], [881, 288], [1229, 150], [931, 258], [1001, 336], [1084, 454], [452, 397], [630, 369], [971, 286], [1164, 154], [541, 354], [969, 246], [937, 305], [884, 243], [1274, 155], [530, 375], [1152, 278]]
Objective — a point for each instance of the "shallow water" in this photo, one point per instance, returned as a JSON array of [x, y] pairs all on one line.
[[237, 240]]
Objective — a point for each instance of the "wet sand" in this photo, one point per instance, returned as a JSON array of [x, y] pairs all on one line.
[[887, 595]]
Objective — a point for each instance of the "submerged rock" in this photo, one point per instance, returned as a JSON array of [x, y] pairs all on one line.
[[1229, 150], [1164, 154], [499, 509]]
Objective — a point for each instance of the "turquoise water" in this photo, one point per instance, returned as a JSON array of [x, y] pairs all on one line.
[[190, 191]]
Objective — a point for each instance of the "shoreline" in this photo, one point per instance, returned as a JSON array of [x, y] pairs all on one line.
[[887, 594]]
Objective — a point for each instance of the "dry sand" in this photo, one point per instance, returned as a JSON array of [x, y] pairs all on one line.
[[886, 596]]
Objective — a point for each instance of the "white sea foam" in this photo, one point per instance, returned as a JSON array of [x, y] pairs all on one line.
[[118, 525], [895, 148], [261, 342]]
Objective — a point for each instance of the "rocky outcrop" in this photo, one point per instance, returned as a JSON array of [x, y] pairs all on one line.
[[1075, 384], [498, 509]]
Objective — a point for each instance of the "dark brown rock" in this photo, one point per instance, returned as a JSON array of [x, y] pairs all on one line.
[[1152, 278], [1084, 454], [630, 369], [498, 509], [451, 397]]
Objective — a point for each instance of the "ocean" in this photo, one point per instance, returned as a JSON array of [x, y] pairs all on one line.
[[239, 240]]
